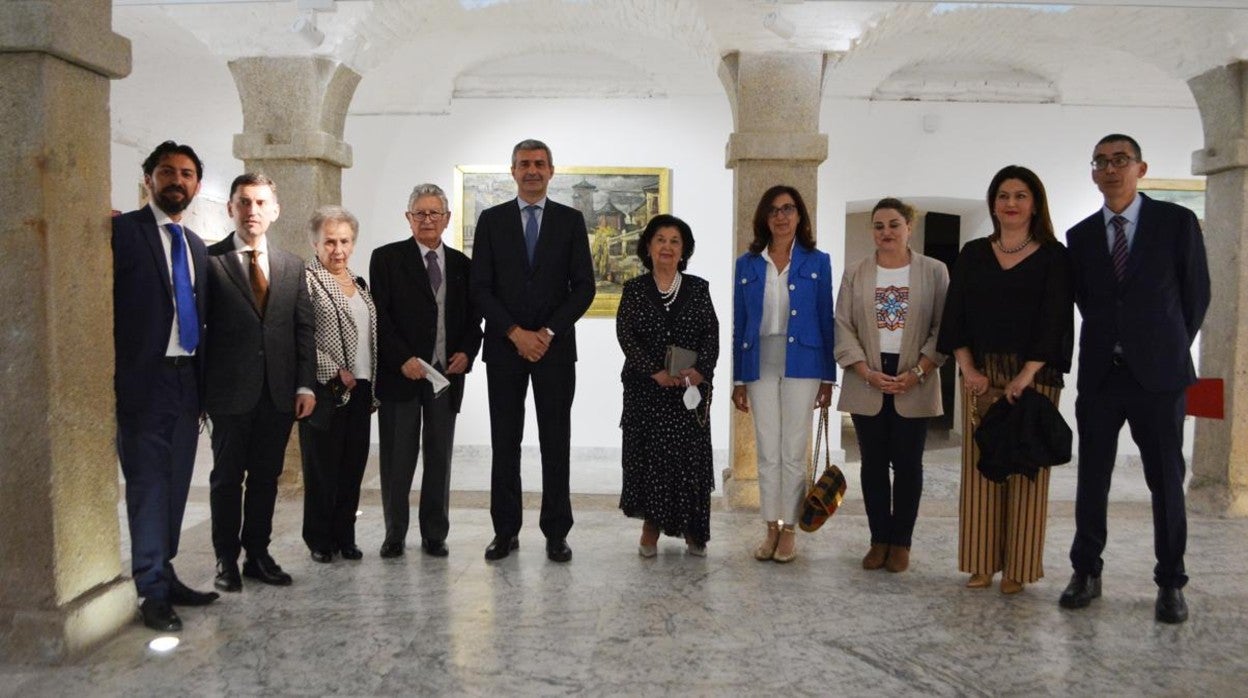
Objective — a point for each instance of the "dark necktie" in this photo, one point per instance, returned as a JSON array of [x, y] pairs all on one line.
[[435, 272], [1120, 246], [530, 231], [183, 291], [259, 283]]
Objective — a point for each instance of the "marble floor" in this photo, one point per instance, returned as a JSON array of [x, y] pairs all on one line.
[[612, 623]]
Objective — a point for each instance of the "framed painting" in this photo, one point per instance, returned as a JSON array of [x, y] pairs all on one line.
[[617, 202], [1184, 192]]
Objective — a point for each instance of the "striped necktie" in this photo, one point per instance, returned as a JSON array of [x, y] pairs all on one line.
[[1119, 253]]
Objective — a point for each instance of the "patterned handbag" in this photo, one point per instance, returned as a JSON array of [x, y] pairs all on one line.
[[825, 494]]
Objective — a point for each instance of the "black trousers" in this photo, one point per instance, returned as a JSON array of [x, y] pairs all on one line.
[[156, 447], [250, 446], [554, 386], [889, 440], [423, 427], [1156, 423], [333, 467]]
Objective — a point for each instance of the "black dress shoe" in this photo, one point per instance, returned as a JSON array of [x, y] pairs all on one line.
[[501, 547], [351, 552], [392, 548], [227, 576], [435, 548], [265, 569], [159, 616], [1171, 608], [322, 556], [182, 595], [1080, 592], [557, 550]]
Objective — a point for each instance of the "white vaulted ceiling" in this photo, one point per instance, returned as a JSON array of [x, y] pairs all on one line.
[[416, 56]]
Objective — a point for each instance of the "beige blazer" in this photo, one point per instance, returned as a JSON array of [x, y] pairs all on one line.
[[858, 339]]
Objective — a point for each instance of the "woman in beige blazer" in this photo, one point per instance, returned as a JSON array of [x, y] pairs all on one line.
[[887, 320]]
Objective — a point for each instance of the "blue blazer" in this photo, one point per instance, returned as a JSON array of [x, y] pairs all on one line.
[[143, 305], [1155, 312], [812, 323]]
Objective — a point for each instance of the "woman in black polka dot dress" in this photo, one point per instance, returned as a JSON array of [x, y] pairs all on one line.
[[668, 473]]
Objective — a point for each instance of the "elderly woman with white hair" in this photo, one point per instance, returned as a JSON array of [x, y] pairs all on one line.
[[335, 448]]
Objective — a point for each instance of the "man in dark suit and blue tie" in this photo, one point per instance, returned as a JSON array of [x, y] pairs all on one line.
[[160, 289], [261, 366], [1141, 282], [424, 313], [532, 279]]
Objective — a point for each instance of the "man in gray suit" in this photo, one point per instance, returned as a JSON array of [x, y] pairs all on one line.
[[261, 366]]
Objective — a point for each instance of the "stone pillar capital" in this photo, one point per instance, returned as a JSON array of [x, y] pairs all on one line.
[[807, 148], [307, 145], [1214, 158], [67, 29]]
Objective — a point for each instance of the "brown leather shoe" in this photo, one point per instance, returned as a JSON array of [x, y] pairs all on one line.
[[875, 557], [898, 559], [1009, 586]]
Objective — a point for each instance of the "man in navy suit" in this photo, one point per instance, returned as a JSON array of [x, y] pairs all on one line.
[[1142, 285], [261, 365], [532, 279], [160, 288]]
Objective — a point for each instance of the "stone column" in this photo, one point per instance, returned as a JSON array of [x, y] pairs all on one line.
[[61, 583], [1219, 483], [775, 100], [294, 110]]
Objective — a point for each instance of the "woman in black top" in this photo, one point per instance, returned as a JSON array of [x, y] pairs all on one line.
[[1008, 321], [667, 462]]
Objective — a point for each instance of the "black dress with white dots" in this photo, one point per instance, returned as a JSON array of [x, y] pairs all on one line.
[[667, 460]]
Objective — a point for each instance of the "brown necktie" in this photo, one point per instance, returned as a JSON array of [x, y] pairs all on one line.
[[259, 284]]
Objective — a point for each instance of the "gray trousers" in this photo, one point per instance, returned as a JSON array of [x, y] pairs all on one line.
[[401, 425]]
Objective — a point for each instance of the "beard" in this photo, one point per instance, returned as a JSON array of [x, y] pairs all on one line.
[[170, 205]]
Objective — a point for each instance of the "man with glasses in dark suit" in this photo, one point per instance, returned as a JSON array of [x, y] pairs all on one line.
[[1141, 282]]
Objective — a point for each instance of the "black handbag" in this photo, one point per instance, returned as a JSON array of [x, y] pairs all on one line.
[[825, 494]]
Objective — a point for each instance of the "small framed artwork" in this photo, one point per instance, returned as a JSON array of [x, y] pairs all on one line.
[[617, 202], [1184, 192]]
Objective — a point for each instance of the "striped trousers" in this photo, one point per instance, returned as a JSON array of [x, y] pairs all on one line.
[[1001, 526]]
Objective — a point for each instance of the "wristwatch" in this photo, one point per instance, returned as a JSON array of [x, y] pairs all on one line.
[[919, 372]]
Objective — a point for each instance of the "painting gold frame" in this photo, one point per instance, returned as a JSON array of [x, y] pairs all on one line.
[[617, 202], [1185, 192]]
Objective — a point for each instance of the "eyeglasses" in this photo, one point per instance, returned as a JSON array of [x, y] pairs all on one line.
[[431, 216], [785, 210], [1118, 161]]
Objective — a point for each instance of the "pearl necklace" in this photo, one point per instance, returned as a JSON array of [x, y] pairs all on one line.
[[669, 296], [1013, 250]]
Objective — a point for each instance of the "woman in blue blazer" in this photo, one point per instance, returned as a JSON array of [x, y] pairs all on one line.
[[782, 350]]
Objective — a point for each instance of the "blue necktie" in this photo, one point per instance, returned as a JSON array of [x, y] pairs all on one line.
[[530, 231], [183, 292]]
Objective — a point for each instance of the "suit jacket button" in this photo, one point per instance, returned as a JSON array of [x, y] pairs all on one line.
[[792, 287], [744, 280], [814, 275], [793, 312], [746, 345], [790, 340]]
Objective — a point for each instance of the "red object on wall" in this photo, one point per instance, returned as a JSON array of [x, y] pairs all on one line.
[[1205, 398]]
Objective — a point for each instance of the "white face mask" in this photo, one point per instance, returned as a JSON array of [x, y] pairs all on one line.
[[693, 398]]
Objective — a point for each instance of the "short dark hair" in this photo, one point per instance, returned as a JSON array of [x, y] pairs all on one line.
[[532, 144], [762, 232], [252, 179], [1116, 137], [170, 148], [1041, 226], [901, 207], [665, 220]]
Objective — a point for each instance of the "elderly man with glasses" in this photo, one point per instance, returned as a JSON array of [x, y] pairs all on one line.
[[425, 320]]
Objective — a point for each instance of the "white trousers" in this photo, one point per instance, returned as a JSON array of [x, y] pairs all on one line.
[[783, 410]]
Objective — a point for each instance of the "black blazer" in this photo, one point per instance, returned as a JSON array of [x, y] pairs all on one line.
[[554, 292], [1157, 309], [246, 349], [407, 317], [143, 304]]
